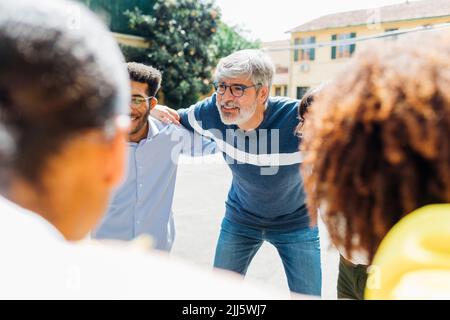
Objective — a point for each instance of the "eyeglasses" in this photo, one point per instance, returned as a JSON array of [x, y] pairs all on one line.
[[237, 90], [138, 100]]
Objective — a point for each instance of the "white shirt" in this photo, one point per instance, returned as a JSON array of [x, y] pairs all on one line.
[[37, 263]]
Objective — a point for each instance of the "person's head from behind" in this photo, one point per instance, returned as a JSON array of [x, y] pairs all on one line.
[[378, 140], [243, 80], [145, 83], [304, 106], [63, 112]]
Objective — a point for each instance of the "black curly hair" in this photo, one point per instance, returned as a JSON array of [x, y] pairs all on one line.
[[145, 74]]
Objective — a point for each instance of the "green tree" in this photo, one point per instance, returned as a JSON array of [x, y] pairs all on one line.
[[186, 38], [111, 12], [180, 36], [229, 39]]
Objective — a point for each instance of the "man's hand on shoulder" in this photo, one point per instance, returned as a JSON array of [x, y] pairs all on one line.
[[165, 114]]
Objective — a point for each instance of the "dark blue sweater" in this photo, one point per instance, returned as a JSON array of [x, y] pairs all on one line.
[[267, 189]]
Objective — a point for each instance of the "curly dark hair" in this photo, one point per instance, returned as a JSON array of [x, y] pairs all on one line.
[[377, 141], [145, 74]]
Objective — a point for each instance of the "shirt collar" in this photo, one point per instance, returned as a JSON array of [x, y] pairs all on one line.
[[153, 129]]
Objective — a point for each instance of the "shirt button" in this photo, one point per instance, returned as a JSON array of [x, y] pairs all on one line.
[[140, 185], [138, 222]]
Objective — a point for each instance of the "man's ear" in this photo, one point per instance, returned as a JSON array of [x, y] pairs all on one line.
[[264, 94], [153, 103]]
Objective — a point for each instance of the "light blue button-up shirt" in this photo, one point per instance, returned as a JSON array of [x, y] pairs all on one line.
[[143, 203]]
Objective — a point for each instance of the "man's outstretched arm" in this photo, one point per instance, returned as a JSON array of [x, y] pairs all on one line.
[[202, 111]]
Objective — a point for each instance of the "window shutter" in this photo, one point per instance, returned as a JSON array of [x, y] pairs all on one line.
[[352, 46], [312, 53], [296, 42], [333, 48]]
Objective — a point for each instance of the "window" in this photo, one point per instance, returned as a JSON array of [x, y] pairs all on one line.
[[393, 37], [281, 69], [281, 91], [308, 54], [301, 91], [304, 54], [296, 43], [277, 91], [344, 51]]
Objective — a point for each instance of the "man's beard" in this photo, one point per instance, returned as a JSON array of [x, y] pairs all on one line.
[[142, 121], [243, 115]]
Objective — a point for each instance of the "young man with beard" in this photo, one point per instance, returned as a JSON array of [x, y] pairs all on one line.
[[143, 203], [266, 201]]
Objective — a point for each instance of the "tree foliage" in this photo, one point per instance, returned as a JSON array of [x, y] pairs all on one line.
[[180, 35], [186, 38], [111, 12], [229, 39]]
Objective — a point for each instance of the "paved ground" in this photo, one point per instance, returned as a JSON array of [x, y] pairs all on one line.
[[199, 207]]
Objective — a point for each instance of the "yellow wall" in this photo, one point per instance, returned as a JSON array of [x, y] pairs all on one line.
[[280, 57], [129, 40], [323, 67]]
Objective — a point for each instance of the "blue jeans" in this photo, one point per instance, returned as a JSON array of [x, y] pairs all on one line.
[[299, 251]]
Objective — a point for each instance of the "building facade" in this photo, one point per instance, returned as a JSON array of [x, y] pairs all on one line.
[[280, 57], [311, 67]]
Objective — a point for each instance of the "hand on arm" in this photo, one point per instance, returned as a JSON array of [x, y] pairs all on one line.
[[165, 114]]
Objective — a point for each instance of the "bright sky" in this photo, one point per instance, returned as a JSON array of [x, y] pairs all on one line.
[[269, 20]]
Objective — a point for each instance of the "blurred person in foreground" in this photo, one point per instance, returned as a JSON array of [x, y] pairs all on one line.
[[378, 147], [64, 96]]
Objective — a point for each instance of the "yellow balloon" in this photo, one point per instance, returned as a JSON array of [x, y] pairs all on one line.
[[413, 260]]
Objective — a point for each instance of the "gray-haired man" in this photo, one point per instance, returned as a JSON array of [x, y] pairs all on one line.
[[266, 201]]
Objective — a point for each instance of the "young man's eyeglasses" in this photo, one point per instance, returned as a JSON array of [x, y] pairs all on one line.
[[237, 90], [138, 100]]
